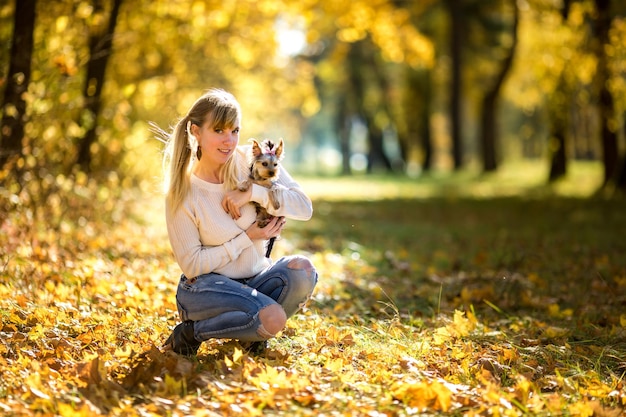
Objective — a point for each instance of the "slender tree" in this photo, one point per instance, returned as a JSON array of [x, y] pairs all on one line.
[[620, 183], [457, 31], [607, 111], [558, 119], [100, 47], [343, 131], [418, 109], [14, 105], [557, 141], [489, 137], [358, 60]]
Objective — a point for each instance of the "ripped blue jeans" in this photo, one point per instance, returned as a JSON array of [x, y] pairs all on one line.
[[224, 308]]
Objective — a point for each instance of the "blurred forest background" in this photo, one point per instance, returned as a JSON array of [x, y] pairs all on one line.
[[353, 86], [430, 299]]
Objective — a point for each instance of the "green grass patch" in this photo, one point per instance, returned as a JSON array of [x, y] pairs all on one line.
[[512, 179]]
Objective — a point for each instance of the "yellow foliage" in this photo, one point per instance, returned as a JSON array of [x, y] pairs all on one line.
[[81, 336], [423, 395], [581, 409]]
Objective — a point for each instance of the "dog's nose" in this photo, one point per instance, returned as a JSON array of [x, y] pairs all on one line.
[[271, 173]]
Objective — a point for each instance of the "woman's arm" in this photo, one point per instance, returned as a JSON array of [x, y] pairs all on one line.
[[193, 258]]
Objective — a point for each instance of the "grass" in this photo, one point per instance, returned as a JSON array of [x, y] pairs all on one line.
[[520, 178], [452, 294]]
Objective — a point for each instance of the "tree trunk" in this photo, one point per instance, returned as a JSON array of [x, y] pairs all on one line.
[[376, 154], [343, 127], [100, 47], [18, 78], [424, 84], [489, 137], [426, 136], [357, 62], [558, 162], [620, 183], [456, 40], [607, 103], [418, 109], [557, 108]]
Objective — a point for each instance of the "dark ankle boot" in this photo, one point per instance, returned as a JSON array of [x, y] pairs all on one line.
[[182, 340]]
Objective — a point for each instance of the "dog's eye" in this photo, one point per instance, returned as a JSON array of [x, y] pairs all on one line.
[[275, 164], [264, 164]]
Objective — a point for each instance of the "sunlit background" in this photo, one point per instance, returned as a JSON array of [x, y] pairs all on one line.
[[403, 87]]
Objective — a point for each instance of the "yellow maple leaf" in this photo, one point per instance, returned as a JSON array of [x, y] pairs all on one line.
[[424, 394], [174, 386], [581, 409], [237, 355], [334, 365], [68, 410], [441, 336], [554, 332], [461, 326]]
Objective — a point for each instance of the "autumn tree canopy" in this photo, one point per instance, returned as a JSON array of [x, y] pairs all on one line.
[[384, 85], [438, 294]]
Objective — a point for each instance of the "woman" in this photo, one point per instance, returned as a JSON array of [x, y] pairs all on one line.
[[228, 289]]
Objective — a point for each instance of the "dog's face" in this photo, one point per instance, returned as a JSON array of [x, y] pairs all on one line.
[[266, 157]]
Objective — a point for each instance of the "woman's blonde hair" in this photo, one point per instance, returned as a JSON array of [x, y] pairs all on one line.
[[222, 111]]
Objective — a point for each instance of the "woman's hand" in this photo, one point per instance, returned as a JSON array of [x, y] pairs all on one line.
[[273, 229], [234, 200]]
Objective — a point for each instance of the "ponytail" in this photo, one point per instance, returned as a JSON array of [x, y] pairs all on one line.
[[177, 164]]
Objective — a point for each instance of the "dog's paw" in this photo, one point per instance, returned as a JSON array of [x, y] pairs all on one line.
[[244, 186], [274, 201], [273, 196]]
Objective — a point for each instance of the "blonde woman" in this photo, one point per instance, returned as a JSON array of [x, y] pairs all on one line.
[[228, 288]]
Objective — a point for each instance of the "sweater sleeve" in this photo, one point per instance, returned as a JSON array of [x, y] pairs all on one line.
[[294, 203], [194, 258]]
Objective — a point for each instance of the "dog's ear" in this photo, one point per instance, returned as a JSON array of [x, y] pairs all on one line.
[[256, 148], [279, 149]]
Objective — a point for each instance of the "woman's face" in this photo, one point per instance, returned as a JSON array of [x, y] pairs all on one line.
[[217, 144]]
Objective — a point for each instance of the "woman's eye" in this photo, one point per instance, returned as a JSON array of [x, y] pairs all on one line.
[[236, 130], [218, 130]]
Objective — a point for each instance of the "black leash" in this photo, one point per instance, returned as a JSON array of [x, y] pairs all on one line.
[[270, 245]]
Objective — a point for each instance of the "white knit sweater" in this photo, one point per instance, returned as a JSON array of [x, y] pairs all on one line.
[[205, 238]]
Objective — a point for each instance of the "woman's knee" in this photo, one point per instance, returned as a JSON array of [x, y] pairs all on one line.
[[302, 283], [273, 319], [302, 263]]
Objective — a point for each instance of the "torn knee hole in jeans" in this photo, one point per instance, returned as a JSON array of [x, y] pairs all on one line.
[[301, 263], [304, 303], [262, 332]]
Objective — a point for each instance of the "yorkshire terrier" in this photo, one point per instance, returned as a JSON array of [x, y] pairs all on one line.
[[264, 170]]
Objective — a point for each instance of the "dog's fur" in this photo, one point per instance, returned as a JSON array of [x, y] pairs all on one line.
[[264, 161]]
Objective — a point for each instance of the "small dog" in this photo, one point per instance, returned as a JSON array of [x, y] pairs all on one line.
[[265, 160]]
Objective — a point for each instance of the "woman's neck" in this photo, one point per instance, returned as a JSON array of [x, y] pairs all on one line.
[[209, 174]]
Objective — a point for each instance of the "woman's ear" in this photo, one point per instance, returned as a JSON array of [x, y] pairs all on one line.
[[194, 130]]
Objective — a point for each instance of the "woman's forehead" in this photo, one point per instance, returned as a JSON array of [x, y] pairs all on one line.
[[223, 117]]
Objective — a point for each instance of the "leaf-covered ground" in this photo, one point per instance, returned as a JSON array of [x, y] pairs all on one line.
[[427, 305]]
